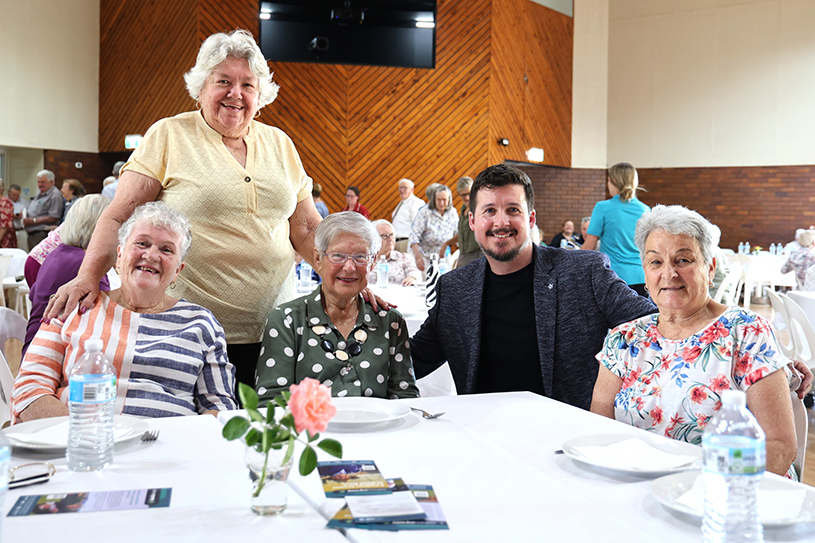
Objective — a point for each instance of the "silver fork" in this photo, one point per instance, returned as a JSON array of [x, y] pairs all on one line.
[[150, 435], [427, 415]]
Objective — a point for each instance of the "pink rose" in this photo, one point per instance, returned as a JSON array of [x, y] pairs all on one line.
[[311, 406]]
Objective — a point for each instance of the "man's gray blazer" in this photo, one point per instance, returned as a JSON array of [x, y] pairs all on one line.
[[577, 300]]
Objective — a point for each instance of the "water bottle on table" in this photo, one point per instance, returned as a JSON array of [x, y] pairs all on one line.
[[382, 273], [305, 275], [733, 449], [92, 395]]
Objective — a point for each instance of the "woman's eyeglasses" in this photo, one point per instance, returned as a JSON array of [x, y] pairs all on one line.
[[360, 259], [386, 237]]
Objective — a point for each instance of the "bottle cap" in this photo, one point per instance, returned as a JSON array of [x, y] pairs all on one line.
[[94, 345], [734, 398]]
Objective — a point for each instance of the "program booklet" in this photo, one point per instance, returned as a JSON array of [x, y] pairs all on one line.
[[86, 502], [425, 496], [343, 477]]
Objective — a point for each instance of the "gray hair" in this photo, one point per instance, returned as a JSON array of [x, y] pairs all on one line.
[[432, 202], [159, 215], [108, 180], [377, 222], [237, 44], [584, 220], [81, 220], [347, 222], [117, 168], [408, 181], [464, 183], [676, 220], [48, 174], [430, 194], [805, 238], [14, 186]]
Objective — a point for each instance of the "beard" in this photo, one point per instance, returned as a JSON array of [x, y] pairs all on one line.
[[509, 255]]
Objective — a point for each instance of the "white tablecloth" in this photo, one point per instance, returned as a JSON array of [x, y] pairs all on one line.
[[491, 459], [210, 499], [410, 302], [764, 268]]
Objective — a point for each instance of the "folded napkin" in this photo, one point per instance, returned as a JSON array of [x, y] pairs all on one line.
[[56, 435], [773, 504], [633, 454]]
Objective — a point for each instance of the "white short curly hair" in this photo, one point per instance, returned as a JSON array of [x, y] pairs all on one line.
[[237, 44]]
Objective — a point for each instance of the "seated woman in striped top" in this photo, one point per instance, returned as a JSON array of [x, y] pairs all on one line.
[[169, 354]]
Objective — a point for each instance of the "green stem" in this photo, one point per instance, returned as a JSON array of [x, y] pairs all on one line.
[[262, 476]]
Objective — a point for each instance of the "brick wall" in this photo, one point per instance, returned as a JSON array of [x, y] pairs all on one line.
[[95, 167], [762, 204], [564, 194]]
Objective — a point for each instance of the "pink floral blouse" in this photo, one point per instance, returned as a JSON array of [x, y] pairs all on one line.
[[673, 387]]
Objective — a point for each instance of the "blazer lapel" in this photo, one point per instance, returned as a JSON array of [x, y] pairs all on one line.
[[545, 288]]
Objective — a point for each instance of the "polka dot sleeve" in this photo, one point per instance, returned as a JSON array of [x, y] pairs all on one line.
[[401, 380]]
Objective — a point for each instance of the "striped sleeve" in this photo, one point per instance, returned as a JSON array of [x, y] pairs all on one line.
[[41, 372]]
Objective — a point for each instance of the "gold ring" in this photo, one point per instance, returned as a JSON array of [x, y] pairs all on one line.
[[52, 296]]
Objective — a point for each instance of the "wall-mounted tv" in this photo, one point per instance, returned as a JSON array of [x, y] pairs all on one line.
[[364, 32]]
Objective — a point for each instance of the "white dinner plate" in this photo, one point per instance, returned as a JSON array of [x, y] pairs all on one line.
[[667, 490], [664, 445], [125, 429], [361, 412]]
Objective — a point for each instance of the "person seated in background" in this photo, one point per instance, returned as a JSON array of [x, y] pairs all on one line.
[[434, 224], [352, 199], [665, 372], [109, 189], [72, 190], [61, 265], [316, 193], [39, 253], [720, 259], [331, 334], [573, 241], [464, 238], [169, 354], [402, 268], [801, 259]]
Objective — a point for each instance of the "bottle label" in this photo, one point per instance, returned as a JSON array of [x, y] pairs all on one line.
[[92, 389], [734, 461]]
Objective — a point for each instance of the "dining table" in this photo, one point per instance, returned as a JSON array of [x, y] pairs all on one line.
[[493, 460], [210, 498]]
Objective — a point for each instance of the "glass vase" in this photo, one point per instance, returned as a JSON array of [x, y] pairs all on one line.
[[269, 486]]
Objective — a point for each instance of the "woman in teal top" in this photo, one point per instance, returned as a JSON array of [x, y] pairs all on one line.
[[613, 223]]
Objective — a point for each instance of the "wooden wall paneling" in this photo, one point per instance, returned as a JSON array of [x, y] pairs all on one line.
[[63, 163], [427, 125], [548, 99], [145, 48], [219, 16], [311, 110]]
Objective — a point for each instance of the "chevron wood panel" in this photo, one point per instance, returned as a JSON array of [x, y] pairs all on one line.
[[145, 48], [219, 16]]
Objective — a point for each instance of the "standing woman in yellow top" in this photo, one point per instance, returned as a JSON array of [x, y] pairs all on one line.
[[239, 181]]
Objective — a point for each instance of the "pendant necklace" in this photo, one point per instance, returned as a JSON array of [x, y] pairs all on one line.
[[352, 350]]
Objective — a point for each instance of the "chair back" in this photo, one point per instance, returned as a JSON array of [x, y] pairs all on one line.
[[5, 262], [17, 265], [6, 384], [799, 415], [12, 325], [780, 324], [803, 336], [730, 288]]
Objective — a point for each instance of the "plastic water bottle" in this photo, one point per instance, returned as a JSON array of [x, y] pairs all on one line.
[[92, 395], [444, 263], [733, 448], [741, 247], [564, 243], [305, 275], [747, 247], [382, 273], [773, 249]]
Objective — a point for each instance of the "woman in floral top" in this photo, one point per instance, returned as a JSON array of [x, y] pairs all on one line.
[[802, 258], [433, 225], [665, 372]]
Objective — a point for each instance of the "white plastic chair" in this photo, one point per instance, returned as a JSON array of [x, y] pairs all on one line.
[[728, 292], [6, 384], [803, 336], [12, 325], [787, 347], [5, 263], [11, 283], [799, 415]]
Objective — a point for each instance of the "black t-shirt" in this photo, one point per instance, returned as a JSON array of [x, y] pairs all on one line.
[[509, 339]]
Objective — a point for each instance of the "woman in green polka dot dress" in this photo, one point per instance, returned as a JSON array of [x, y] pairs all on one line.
[[331, 334]]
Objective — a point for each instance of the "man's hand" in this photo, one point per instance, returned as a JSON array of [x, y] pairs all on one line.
[[375, 301], [806, 378], [77, 291]]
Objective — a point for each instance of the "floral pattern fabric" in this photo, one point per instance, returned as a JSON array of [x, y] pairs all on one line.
[[799, 262], [673, 387], [431, 229], [9, 240]]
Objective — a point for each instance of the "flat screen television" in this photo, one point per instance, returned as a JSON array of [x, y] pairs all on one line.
[[362, 32]]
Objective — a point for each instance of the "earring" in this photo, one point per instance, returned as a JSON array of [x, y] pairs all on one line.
[[172, 285], [197, 105], [257, 114]]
